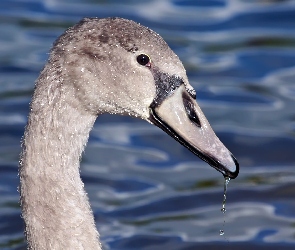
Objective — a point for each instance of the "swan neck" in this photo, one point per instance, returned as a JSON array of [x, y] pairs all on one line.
[[54, 203]]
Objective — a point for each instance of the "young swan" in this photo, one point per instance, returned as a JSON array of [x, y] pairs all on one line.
[[110, 65]]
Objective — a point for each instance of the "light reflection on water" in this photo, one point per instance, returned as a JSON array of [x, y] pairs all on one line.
[[148, 192]]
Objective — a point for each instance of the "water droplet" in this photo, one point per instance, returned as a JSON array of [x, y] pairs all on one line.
[[223, 210]]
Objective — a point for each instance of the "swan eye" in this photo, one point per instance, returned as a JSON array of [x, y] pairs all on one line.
[[143, 60]]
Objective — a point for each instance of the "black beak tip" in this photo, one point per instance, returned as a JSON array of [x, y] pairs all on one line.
[[234, 174]]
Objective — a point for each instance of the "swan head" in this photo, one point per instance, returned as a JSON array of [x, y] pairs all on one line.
[[117, 66]]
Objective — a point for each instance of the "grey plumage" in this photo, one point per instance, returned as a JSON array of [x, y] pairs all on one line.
[[93, 69]]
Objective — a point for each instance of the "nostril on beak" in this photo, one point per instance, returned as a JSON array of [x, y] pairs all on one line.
[[189, 108]]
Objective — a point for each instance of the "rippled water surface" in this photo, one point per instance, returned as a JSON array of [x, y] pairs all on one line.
[[146, 190]]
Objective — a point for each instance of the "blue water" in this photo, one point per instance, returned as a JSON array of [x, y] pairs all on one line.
[[147, 191]]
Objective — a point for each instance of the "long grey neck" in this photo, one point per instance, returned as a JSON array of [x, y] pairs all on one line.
[[55, 206]]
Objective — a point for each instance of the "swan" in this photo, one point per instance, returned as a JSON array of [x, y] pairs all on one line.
[[109, 65]]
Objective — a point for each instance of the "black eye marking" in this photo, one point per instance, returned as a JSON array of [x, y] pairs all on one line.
[[189, 108], [144, 60]]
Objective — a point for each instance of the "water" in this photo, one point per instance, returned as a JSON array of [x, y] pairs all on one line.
[[223, 210], [148, 192], [226, 181]]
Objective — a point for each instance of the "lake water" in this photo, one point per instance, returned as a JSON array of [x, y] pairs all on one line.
[[147, 191]]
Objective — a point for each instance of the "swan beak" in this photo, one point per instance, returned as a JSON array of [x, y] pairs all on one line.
[[180, 116]]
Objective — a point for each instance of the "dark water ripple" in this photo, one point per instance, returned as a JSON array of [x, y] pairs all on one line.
[[148, 192]]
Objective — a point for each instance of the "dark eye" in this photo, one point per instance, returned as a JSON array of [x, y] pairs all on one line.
[[143, 59]]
